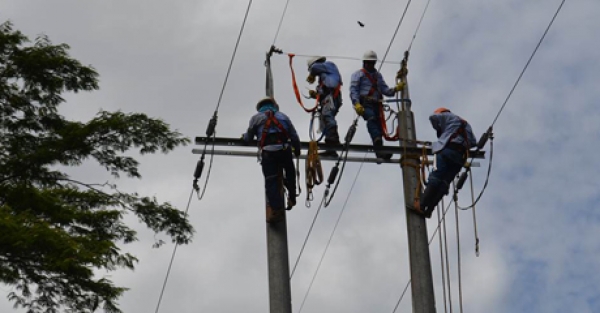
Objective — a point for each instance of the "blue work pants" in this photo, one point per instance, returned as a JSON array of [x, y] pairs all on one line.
[[448, 163], [330, 106], [371, 115], [272, 163]]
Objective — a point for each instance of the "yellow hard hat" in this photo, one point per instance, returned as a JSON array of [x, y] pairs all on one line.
[[266, 100]]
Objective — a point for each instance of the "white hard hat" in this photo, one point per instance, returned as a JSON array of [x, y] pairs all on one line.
[[266, 100], [370, 56], [313, 60]]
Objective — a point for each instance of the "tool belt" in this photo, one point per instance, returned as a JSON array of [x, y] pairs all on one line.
[[368, 100]]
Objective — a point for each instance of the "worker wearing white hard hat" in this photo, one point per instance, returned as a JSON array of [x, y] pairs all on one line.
[[367, 89]]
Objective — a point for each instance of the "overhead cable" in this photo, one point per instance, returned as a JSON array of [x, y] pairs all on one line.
[[210, 131], [528, 61], [394, 36], [418, 26], [164, 285], [280, 22]]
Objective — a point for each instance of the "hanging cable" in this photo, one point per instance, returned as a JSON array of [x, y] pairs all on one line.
[[418, 26], [342, 158], [439, 216], [447, 258], [212, 124], [331, 237], [460, 298], [306, 239], [429, 243], [474, 218], [164, 285]]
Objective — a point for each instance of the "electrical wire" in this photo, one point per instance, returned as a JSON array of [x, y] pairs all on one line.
[[280, 22], [237, 43], [306, 239], [213, 121], [333, 57], [429, 243], [460, 296], [528, 61], [162, 291], [394, 36], [418, 26], [443, 270], [330, 237]]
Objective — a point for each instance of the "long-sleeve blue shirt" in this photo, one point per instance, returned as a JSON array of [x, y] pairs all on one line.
[[257, 123], [328, 74], [361, 85], [447, 124]]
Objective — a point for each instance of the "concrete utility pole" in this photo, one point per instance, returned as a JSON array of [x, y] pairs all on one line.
[[280, 294], [423, 298]]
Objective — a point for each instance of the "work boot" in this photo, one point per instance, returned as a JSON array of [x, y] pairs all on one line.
[[291, 201], [432, 195], [334, 141], [377, 142]]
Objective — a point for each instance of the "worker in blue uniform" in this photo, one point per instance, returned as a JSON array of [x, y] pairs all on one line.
[[277, 138], [455, 138], [328, 94], [367, 89]]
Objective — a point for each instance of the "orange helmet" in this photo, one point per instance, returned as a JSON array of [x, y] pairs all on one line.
[[441, 110]]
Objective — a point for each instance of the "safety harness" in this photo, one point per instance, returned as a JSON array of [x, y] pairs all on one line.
[[280, 137], [373, 81]]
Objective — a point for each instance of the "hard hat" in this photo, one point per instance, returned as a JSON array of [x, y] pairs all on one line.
[[313, 60], [267, 100], [370, 56], [441, 110]]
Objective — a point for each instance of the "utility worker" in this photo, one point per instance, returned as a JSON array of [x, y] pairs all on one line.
[[276, 137], [328, 93], [455, 138], [366, 92]]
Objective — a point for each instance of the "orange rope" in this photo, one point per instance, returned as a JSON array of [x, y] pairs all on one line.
[[295, 86]]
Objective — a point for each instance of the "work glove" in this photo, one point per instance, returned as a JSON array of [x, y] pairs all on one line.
[[310, 79], [399, 86], [360, 110], [312, 94]]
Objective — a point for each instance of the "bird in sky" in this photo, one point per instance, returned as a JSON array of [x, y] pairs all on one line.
[[360, 24]]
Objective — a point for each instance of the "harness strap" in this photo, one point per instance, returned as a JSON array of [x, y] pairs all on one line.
[[271, 119], [373, 81]]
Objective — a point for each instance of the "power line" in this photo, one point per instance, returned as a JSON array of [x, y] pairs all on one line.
[[430, 241], [330, 237], [307, 236], [210, 131], [394, 36], [419, 25], [528, 61], [162, 291], [233, 55], [281, 22]]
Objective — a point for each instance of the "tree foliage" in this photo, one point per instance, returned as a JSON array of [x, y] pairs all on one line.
[[55, 232]]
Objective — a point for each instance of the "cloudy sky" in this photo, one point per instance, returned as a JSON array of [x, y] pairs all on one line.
[[538, 222]]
